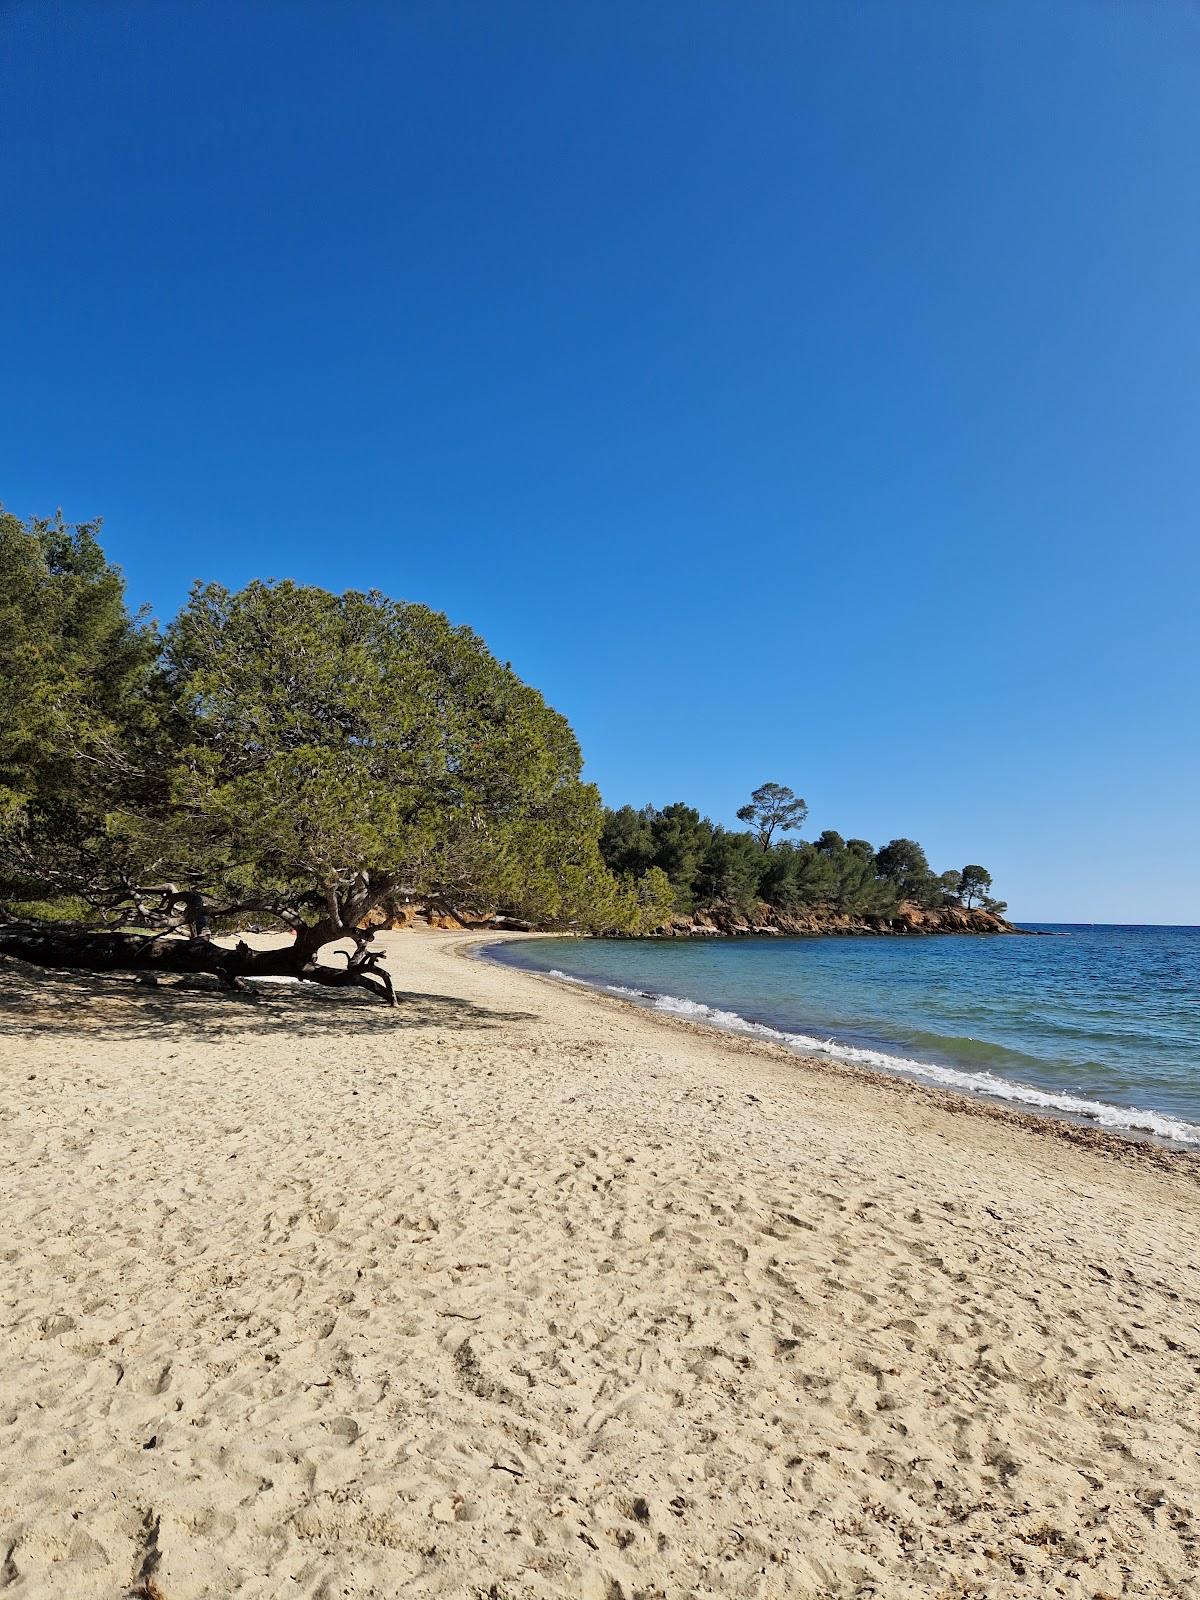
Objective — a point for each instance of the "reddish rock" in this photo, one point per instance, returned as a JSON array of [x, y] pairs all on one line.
[[907, 919]]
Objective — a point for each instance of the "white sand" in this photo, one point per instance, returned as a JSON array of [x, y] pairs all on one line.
[[521, 1293]]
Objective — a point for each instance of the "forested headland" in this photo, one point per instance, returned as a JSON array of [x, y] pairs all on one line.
[[766, 871], [286, 758]]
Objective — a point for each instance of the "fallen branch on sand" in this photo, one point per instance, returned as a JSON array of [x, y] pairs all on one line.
[[58, 945]]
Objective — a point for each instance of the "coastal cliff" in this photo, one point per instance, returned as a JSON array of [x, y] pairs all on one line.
[[726, 921]]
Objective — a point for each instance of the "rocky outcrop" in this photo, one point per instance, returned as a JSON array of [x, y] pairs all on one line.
[[727, 921], [765, 921], [396, 914]]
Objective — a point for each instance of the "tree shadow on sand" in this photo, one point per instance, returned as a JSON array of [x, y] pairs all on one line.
[[37, 1003]]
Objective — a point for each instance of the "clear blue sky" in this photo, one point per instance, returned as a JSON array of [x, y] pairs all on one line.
[[805, 391]]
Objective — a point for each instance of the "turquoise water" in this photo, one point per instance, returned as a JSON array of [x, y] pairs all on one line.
[[1100, 1024]]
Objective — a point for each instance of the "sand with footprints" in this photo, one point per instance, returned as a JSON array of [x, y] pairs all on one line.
[[521, 1293]]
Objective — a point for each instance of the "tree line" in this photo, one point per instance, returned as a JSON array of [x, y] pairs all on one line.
[[277, 755], [294, 759], [705, 865]]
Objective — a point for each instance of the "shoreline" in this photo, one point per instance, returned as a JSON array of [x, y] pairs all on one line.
[[516, 1289], [1075, 1128]]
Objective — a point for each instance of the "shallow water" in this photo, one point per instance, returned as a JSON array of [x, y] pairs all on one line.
[[1092, 1022]]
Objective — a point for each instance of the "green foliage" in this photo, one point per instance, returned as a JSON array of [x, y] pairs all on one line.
[[773, 808], [861, 888], [950, 884], [77, 711], [68, 654], [63, 909], [655, 900], [850, 883], [708, 866], [975, 884], [285, 752], [627, 840], [730, 872], [970, 887], [335, 736], [681, 841], [903, 863], [797, 876]]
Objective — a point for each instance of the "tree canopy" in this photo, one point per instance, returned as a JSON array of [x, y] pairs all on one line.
[[772, 809], [284, 753], [332, 736], [974, 885], [78, 707], [903, 863], [706, 866]]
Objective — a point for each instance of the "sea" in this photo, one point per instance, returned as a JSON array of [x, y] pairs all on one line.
[[1098, 1024]]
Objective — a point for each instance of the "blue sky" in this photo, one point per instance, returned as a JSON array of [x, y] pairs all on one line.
[[803, 391]]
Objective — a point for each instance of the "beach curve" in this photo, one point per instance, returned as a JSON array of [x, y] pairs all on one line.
[[522, 1291]]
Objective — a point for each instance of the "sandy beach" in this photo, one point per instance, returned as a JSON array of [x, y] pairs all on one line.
[[518, 1292]]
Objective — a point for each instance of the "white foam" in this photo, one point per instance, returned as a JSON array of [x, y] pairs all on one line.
[[1129, 1119]]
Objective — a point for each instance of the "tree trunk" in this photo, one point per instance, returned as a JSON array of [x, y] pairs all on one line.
[[57, 945]]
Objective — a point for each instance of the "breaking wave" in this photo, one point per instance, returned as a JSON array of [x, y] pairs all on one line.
[[986, 1084]]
